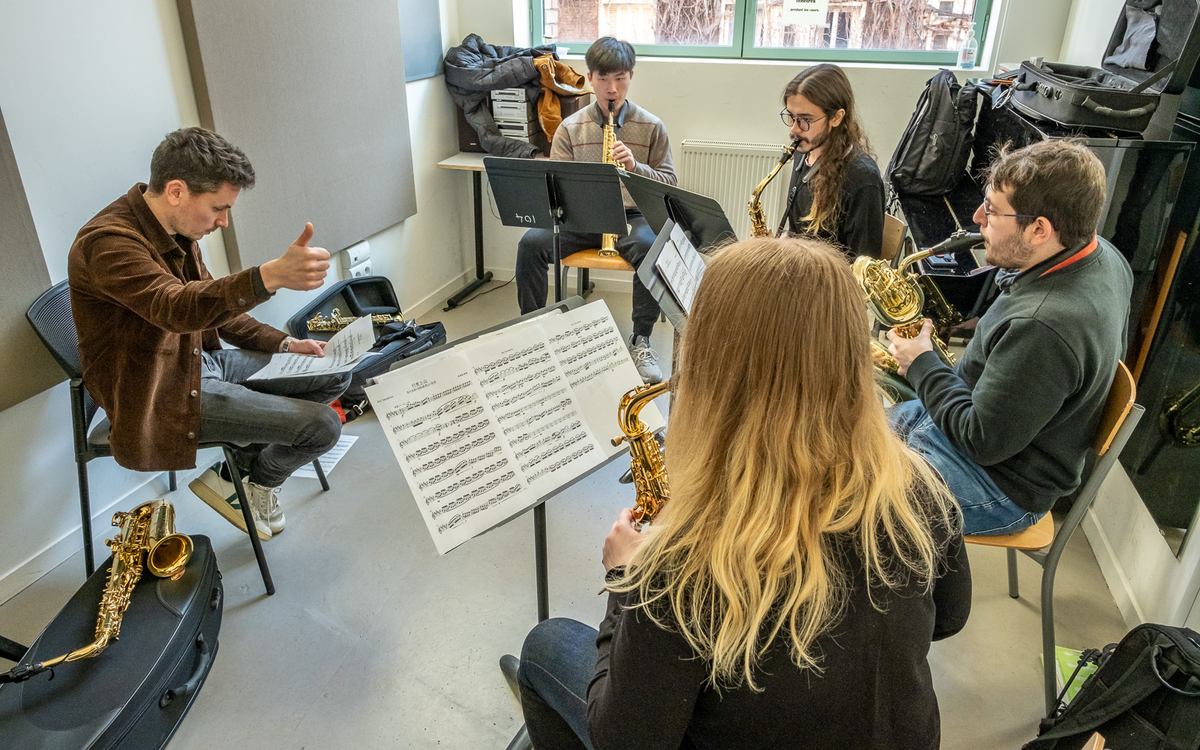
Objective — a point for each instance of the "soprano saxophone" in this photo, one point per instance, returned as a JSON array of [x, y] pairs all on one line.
[[649, 471], [758, 221], [146, 541], [608, 242]]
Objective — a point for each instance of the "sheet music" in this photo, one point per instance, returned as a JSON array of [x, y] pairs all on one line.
[[486, 429], [342, 353], [681, 267]]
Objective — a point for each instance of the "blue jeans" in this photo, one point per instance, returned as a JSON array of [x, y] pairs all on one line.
[[558, 661], [986, 510], [278, 425]]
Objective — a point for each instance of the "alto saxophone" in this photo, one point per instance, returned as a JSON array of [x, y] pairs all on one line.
[[758, 221], [900, 299], [649, 471], [608, 242], [336, 321], [146, 540]]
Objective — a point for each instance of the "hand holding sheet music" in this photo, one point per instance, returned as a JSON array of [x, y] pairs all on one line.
[[342, 353]]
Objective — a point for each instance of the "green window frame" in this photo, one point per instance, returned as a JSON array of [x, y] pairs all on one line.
[[743, 47]]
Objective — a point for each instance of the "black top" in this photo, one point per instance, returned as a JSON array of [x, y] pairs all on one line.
[[875, 691], [860, 227]]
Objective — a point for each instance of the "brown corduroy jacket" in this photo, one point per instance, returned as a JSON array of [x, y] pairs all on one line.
[[145, 307]]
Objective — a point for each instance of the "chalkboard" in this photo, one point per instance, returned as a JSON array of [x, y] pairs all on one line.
[[421, 30]]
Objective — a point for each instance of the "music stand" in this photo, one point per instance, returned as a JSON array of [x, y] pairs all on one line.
[[558, 195], [703, 222]]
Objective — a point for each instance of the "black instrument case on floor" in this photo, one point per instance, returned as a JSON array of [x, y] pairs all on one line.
[[1152, 51], [135, 693]]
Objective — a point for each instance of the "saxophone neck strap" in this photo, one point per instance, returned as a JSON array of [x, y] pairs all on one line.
[[1076, 257]]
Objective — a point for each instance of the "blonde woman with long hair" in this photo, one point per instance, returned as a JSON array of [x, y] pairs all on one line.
[[787, 594]]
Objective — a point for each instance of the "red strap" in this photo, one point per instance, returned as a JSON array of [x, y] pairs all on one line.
[[1077, 256]]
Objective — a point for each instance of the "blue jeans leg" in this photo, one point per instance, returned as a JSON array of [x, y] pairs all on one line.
[[557, 663], [986, 510], [279, 424]]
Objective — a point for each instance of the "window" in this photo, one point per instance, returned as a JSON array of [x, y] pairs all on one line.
[[909, 31]]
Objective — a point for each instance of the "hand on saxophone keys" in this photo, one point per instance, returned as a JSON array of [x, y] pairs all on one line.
[[906, 350], [623, 156]]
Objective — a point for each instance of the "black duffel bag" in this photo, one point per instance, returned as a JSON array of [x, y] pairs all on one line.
[[1144, 695]]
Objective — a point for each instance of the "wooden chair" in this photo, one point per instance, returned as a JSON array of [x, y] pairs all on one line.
[[1095, 742], [586, 260], [1117, 422], [894, 231]]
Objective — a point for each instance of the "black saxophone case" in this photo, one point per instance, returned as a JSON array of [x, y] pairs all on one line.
[[135, 693], [1152, 51]]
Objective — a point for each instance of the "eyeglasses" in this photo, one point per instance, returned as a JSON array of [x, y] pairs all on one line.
[[804, 123], [990, 214]]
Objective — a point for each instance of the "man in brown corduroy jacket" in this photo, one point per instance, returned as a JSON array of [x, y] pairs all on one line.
[[150, 319]]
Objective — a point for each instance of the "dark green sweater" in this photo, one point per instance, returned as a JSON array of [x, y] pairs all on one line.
[[1025, 399]]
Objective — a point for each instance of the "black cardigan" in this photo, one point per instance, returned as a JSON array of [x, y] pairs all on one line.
[[860, 227], [875, 690]]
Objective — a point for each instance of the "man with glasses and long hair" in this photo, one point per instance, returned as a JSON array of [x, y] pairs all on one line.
[[836, 192], [1009, 426]]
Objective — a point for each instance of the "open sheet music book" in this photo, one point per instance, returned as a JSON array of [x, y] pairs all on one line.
[[486, 429], [680, 266]]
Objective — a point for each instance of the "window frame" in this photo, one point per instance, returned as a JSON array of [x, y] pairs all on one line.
[[743, 47]]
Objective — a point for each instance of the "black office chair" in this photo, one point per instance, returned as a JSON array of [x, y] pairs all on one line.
[[50, 316]]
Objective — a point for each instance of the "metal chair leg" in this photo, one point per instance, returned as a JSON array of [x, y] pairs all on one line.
[[321, 474], [85, 512], [1013, 589], [248, 515], [171, 484]]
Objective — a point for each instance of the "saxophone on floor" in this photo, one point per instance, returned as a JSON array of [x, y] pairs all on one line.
[[146, 541], [758, 220], [647, 466]]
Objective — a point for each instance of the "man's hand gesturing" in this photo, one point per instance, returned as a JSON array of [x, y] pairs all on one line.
[[300, 267]]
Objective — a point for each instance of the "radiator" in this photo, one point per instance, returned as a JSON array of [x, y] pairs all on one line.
[[728, 172]]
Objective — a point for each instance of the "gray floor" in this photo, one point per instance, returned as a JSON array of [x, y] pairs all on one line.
[[374, 641]]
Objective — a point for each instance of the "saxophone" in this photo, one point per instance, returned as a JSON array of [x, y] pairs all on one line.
[[146, 540], [758, 222], [649, 471], [900, 299], [608, 242], [336, 321], [1183, 433]]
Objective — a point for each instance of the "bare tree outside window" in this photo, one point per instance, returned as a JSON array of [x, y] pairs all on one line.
[[850, 24]]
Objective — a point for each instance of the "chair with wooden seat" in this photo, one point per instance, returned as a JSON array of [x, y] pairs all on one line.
[[50, 316], [587, 260], [1041, 543]]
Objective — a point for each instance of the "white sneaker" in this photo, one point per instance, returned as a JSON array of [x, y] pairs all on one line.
[[645, 359], [264, 501], [220, 495]]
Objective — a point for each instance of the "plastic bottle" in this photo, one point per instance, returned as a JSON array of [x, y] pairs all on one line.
[[970, 48]]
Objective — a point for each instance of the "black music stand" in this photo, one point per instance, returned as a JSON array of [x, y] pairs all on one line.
[[557, 195], [703, 222]]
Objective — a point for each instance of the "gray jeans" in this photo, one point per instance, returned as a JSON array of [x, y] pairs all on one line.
[[277, 425]]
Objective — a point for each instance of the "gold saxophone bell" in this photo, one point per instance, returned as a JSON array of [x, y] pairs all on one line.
[[146, 540], [648, 469], [901, 300], [608, 242], [758, 220]]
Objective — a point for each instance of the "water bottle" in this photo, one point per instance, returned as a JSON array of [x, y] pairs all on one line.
[[970, 48]]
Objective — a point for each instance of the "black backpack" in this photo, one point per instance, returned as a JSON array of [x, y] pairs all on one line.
[[933, 152], [1144, 695]]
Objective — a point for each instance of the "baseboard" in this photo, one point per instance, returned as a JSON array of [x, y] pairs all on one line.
[[1114, 572], [436, 299], [62, 549]]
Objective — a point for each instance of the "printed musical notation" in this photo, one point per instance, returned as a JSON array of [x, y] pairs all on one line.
[[486, 429]]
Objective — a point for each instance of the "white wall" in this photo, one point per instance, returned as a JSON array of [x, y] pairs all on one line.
[[88, 90], [1089, 28]]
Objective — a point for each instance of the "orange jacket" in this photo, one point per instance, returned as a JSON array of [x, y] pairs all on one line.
[[557, 78]]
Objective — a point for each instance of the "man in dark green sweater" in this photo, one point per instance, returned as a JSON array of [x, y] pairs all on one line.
[[1009, 426]]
